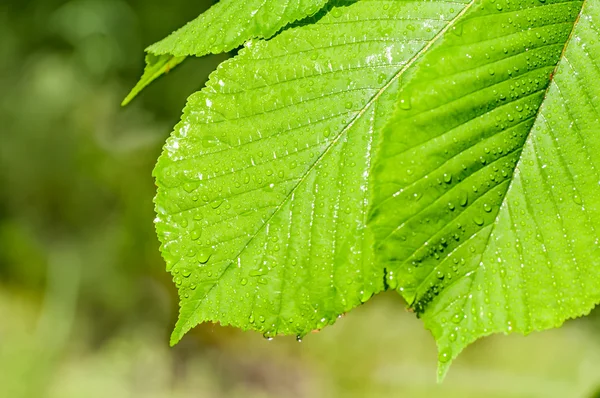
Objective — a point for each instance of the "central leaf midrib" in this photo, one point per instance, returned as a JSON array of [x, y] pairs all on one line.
[[528, 136], [525, 140]]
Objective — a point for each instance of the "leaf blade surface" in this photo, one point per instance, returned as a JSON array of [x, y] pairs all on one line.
[[486, 190], [264, 186], [223, 27]]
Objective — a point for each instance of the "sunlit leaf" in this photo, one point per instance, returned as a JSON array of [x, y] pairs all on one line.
[[487, 190], [264, 186], [223, 27]]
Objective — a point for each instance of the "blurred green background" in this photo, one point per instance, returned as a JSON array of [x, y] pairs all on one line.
[[85, 304]]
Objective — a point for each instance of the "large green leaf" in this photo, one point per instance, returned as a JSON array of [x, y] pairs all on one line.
[[223, 27], [264, 185], [487, 185]]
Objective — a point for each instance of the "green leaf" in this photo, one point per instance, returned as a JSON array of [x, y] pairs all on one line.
[[223, 27], [264, 186], [156, 66], [487, 188]]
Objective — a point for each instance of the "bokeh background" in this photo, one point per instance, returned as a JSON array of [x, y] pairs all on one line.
[[86, 307]]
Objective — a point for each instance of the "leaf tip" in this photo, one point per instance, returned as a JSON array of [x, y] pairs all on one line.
[[183, 325], [442, 370], [448, 350], [132, 94], [177, 334], [156, 66]]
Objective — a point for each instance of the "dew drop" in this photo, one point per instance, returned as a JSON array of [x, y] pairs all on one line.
[[216, 204], [204, 255], [196, 234], [464, 199], [209, 141], [445, 356], [405, 104], [258, 272], [189, 187], [458, 30]]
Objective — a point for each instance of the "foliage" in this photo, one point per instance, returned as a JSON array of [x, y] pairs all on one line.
[[225, 26], [445, 150]]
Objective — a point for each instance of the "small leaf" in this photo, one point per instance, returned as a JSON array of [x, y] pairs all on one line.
[[156, 65], [223, 27]]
